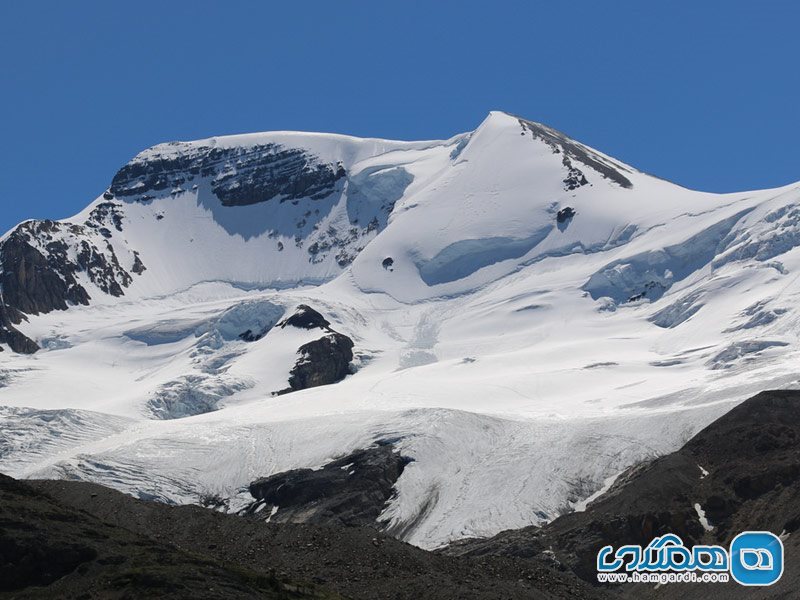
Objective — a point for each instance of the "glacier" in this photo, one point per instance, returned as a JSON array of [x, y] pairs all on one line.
[[522, 362]]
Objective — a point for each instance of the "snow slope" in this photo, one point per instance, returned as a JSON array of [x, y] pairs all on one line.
[[522, 354]]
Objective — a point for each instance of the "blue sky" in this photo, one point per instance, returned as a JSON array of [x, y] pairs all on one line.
[[705, 94]]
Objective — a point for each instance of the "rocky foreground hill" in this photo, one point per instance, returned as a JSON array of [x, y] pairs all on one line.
[[80, 540]]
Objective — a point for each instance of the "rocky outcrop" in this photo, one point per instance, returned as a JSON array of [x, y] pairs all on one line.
[[106, 214], [40, 263], [576, 152], [238, 176], [322, 361], [305, 317], [138, 266], [565, 214], [34, 282], [351, 490], [575, 177], [16, 340]]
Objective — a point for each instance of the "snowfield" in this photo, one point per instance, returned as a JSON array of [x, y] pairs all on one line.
[[521, 355]]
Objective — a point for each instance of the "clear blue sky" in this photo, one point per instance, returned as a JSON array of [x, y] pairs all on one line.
[[704, 93]]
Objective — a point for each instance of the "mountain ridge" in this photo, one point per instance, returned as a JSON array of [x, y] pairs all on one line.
[[497, 312], [243, 170]]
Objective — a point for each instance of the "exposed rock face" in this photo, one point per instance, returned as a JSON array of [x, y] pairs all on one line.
[[575, 177], [239, 176], [305, 317], [270, 172], [105, 214], [565, 214], [40, 261], [322, 361], [32, 282], [574, 151], [138, 266], [352, 490], [743, 470], [16, 340]]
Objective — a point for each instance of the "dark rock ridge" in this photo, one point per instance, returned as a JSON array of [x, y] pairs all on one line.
[[352, 490], [34, 281], [52, 549], [743, 470], [38, 273], [151, 550], [238, 176], [322, 361], [574, 151]]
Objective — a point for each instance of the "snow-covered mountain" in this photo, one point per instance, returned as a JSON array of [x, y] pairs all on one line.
[[521, 315]]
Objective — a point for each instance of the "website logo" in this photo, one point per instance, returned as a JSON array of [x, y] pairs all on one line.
[[756, 558]]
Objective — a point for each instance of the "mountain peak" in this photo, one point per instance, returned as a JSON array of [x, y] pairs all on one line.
[[487, 287], [559, 143]]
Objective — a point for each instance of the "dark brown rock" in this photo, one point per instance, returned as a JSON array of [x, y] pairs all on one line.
[[352, 490], [322, 362]]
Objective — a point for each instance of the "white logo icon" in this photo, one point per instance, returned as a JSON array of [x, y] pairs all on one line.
[[756, 559]]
